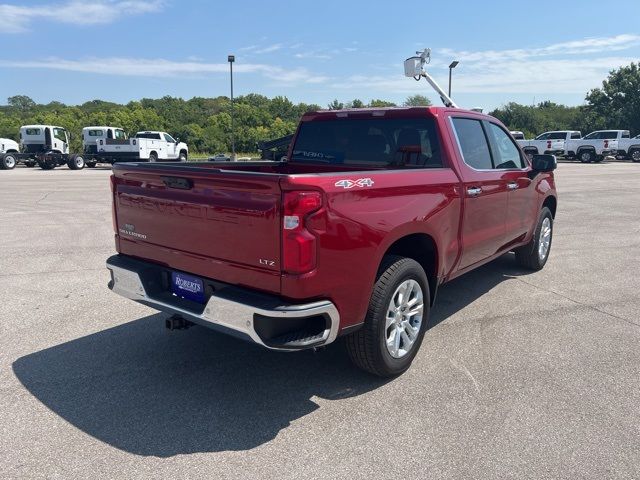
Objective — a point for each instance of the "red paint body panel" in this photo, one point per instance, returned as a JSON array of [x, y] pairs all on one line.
[[228, 225]]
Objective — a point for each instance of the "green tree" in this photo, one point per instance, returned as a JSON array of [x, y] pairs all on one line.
[[335, 105], [417, 101], [617, 103], [381, 103], [22, 103]]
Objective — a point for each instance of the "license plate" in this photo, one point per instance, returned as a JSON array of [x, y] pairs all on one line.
[[187, 286]]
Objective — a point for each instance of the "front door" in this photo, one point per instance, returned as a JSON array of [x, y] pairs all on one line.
[[171, 147], [521, 204], [484, 191]]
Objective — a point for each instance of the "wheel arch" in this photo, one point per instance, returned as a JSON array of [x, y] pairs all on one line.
[[551, 202], [422, 248]]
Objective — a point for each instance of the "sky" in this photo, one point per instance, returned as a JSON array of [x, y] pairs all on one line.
[[312, 51]]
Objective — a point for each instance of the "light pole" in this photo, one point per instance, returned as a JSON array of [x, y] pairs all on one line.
[[453, 65], [231, 59]]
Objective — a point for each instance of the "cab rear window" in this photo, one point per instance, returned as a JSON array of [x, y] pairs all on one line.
[[373, 142], [32, 131]]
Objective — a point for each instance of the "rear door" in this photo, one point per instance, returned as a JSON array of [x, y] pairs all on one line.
[[484, 191]]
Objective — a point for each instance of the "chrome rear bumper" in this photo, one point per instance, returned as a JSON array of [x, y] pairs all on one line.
[[233, 310]]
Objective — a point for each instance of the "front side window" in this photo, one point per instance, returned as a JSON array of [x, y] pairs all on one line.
[[169, 138], [543, 136], [625, 134], [557, 136], [369, 142], [120, 135], [505, 153], [473, 143], [575, 136], [60, 134]]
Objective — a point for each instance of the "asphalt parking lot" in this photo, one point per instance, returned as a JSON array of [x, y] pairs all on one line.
[[523, 375]]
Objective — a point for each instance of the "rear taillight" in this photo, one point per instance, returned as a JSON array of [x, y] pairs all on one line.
[[606, 144], [298, 243], [548, 144]]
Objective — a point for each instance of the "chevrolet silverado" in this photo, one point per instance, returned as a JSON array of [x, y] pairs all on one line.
[[351, 236]]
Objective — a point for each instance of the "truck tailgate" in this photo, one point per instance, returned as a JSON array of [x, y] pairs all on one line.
[[219, 224]]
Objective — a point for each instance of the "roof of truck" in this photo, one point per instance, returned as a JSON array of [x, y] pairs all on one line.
[[40, 126], [99, 126], [390, 112]]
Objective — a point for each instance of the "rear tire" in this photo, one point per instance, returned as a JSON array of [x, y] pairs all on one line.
[[153, 157], [586, 156], [535, 254], [390, 338], [8, 162], [76, 162]]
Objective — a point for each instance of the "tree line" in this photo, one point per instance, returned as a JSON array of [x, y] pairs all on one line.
[[615, 105], [205, 123]]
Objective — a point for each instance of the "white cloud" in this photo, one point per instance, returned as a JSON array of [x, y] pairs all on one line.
[[572, 67], [575, 47], [145, 67], [262, 48], [18, 18]]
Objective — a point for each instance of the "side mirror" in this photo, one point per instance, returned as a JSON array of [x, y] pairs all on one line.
[[177, 140], [544, 163]]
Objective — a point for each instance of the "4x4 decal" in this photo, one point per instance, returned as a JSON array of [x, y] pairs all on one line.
[[361, 182]]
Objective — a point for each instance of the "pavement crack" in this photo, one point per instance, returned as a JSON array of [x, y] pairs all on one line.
[[553, 292], [462, 368], [44, 197]]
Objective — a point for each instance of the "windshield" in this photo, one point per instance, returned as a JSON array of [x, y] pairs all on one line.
[[603, 135], [374, 142]]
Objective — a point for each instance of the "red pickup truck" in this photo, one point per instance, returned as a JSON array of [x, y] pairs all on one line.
[[351, 236]]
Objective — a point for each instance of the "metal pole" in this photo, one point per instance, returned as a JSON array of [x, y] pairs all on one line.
[[232, 59], [452, 65]]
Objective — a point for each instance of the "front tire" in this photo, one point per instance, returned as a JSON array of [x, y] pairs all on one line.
[[182, 157], [8, 162], [634, 155], [535, 254], [396, 319]]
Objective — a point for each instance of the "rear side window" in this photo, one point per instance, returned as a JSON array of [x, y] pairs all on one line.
[[473, 143], [505, 153], [374, 142]]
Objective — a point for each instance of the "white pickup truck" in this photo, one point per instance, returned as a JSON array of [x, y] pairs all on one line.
[[595, 146], [628, 147], [548, 142], [8, 146], [148, 145]]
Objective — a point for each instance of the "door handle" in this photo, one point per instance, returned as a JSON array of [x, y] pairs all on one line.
[[474, 191], [512, 186]]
